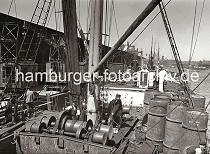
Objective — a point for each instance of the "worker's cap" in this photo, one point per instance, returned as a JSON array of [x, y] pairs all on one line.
[[35, 94], [202, 143], [144, 66], [118, 95]]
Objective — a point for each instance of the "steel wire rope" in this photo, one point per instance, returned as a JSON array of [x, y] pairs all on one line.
[[193, 31], [201, 82], [10, 6], [115, 19], [170, 31], [88, 18], [148, 25], [94, 20], [177, 105], [106, 21], [201, 16], [59, 16], [110, 24], [113, 14], [12, 1]]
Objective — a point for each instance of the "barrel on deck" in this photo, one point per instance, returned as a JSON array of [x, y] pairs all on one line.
[[198, 101], [162, 96], [148, 97], [195, 127], [173, 128], [156, 121]]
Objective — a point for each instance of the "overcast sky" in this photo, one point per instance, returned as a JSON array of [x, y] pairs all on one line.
[[180, 13]]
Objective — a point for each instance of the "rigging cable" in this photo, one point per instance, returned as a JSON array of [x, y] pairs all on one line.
[[115, 19], [13, 1], [203, 5], [201, 82], [88, 18], [147, 25], [110, 24], [79, 9], [176, 54], [59, 16], [105, 22], [187, 91], [193, 31]]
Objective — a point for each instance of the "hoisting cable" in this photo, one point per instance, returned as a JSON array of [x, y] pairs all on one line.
[[147, 25], [110, 24], [176, 54], [115, 19], [175, 50], [106, 22], [88, 18], [201, 16], [201, 82], [193, 31], [13, 1]]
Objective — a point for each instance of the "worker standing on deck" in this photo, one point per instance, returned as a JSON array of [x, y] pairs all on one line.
[[162, 77], [115, 116]]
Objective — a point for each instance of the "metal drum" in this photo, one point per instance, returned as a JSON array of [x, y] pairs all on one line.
[[77, 125], [147, 99], [162, 96], [108, 130], [173, 128], [37, 127], [68, 127], [199, 101], [156, 122], [126, 109], [195, 127], [99, 137], [48, 120]]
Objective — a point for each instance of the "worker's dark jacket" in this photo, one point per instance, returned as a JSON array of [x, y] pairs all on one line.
[[115, 107]]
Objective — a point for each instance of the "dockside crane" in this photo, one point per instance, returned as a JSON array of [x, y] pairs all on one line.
[[31, 41], [29, 46]]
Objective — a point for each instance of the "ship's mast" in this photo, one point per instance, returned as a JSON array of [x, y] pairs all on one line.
[[70, 34], [94, 54]]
